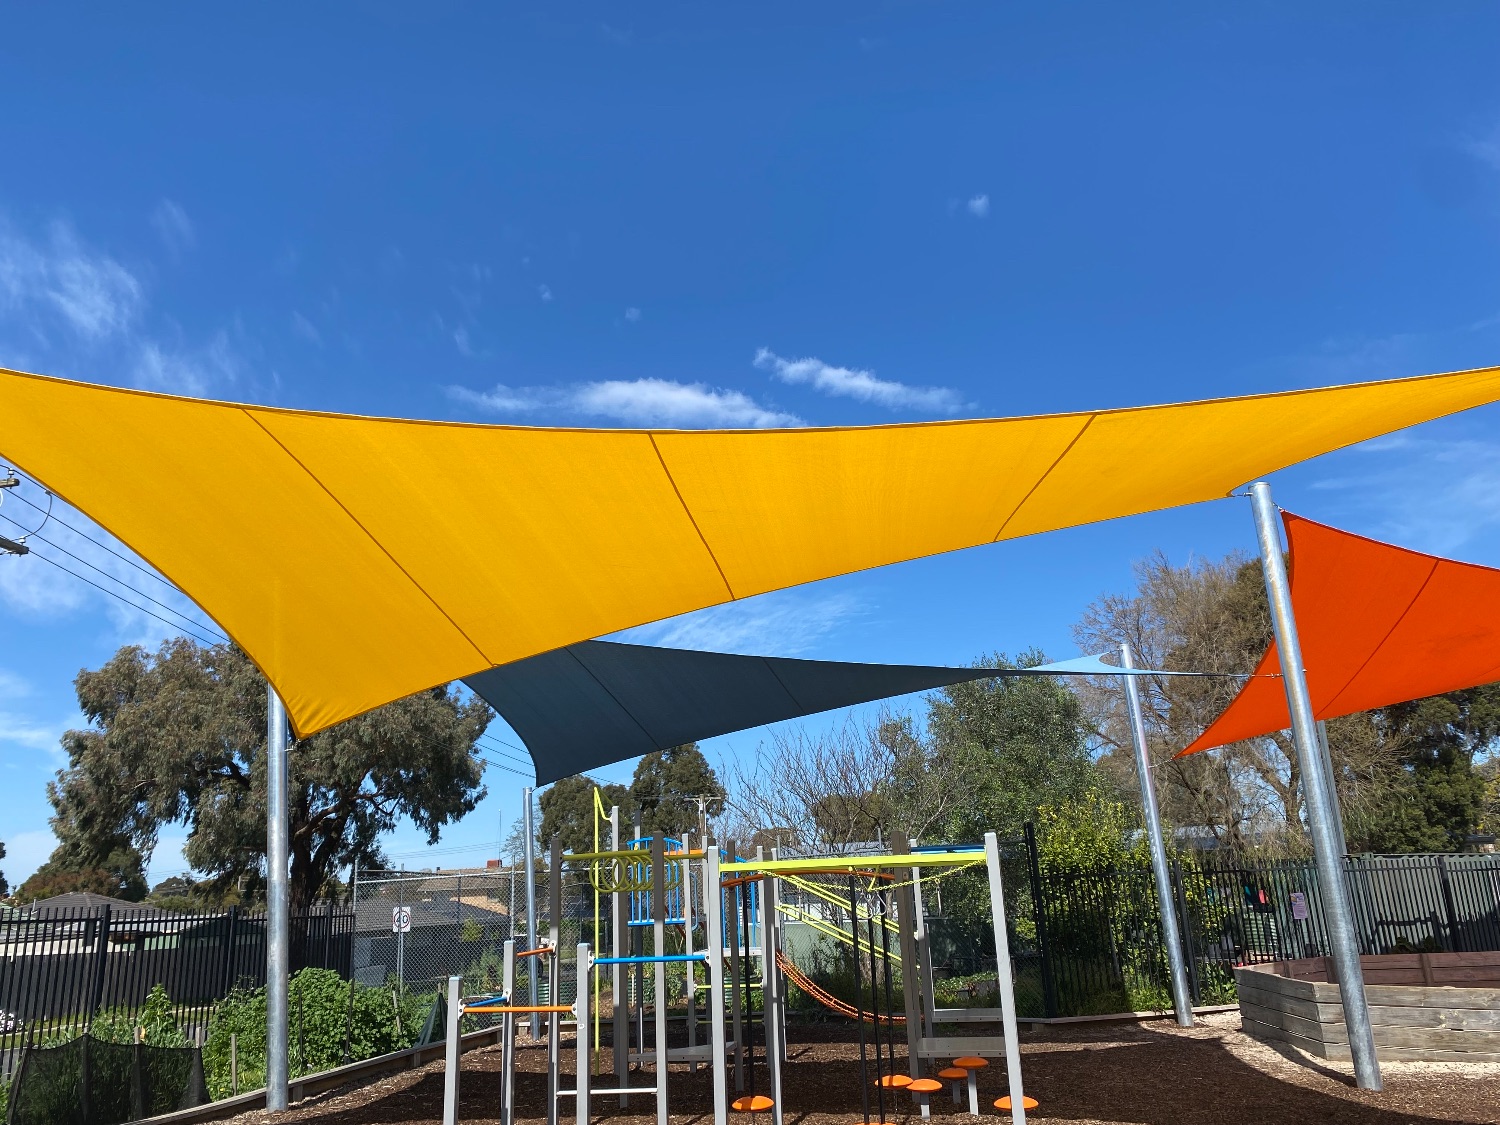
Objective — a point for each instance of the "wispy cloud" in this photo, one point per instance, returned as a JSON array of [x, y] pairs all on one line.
[[632, 314], [194, 371], [638, 402], [1422, 492], [850, 382], [60, 282], [174, 227], [64, 303], [305, 328], [978, 206], [785, 623], [544, 292], [29, 733]]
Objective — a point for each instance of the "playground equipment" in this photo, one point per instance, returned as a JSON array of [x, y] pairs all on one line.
[[661, 885]]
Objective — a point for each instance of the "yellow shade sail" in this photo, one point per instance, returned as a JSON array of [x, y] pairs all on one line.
[[357, 560]]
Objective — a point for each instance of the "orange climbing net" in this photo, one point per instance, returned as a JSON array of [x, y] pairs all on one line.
[[829, 1001]]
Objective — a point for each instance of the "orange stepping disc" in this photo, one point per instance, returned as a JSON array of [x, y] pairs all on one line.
[[757, 1104], [1004, 1103], [925, 1086], [899, 1081], [971, 1062], [953, 1072]]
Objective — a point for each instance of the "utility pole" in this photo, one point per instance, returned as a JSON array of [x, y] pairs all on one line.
[[278, 928], [1182, 1000], [1321, 819]]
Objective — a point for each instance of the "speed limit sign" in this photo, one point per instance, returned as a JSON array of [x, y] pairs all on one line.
[[400, 919]]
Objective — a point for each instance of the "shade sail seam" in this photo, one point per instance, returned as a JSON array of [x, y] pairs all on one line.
[[1332, 703], [1039, 480], [797, 703], [626, 711], [724, 578], [384, 550]]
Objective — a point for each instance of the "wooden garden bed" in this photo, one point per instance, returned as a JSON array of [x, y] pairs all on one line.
[[1425, 1006]]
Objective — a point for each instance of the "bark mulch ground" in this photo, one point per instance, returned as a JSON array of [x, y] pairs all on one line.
[[1142, 1074]]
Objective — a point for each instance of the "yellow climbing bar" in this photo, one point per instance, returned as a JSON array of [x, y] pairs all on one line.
[[852, 863]]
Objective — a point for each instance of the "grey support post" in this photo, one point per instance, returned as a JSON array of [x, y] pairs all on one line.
[[1182, 999], [1004, 981], [911, 984], [1326, 837], [581, 1015], [739, 945], [278, 928], [659, 948], [770, 987], [528, 851], [620, 905], [554, 976], [508, 1031], [451, 1051], [713, 923]]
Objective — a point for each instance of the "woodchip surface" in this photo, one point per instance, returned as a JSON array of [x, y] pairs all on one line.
[[1132, 1074]]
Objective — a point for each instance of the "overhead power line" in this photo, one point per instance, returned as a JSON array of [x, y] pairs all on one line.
[[139, 608], [193, 622], [55, 518]]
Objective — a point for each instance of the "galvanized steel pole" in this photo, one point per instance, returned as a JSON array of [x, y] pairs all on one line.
[[1182, 1000], [278, 929], [1326, 836]]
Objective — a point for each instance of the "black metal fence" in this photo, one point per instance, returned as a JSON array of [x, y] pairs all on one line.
[[1092, 937], [60, 968]]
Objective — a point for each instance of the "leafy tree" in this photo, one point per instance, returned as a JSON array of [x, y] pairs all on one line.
[[1438, 799], [122, 877], [178, 736], [568, 811], [1012, 745], [667, 785]]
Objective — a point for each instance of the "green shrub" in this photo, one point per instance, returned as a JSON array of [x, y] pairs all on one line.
[[324, 1010]]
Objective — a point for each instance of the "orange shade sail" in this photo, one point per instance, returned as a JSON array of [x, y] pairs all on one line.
[[1378, 624]]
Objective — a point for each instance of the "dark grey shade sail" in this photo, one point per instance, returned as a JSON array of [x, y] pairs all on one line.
[[592, 704]]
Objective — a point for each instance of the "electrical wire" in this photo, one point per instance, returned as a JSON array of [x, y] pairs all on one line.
[[146, 570], [134, 590], [126, 601]]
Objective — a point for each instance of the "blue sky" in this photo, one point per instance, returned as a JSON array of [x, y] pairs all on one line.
[[692, 216]]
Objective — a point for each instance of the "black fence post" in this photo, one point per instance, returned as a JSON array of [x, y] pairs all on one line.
[[1455, 935], [1039, 915], [101, 963]]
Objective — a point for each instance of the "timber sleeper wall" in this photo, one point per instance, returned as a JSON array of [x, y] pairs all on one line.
[[1425, 1006]]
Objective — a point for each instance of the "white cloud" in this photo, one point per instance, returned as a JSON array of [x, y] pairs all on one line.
[[978, 206], [854, 383], [1429, 494], [191, 372], [784, 623], [305, 328], [461, 341], [632, 314], [639, 402], [29, 733], [64, 281], [174, 227], [544, 292]]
